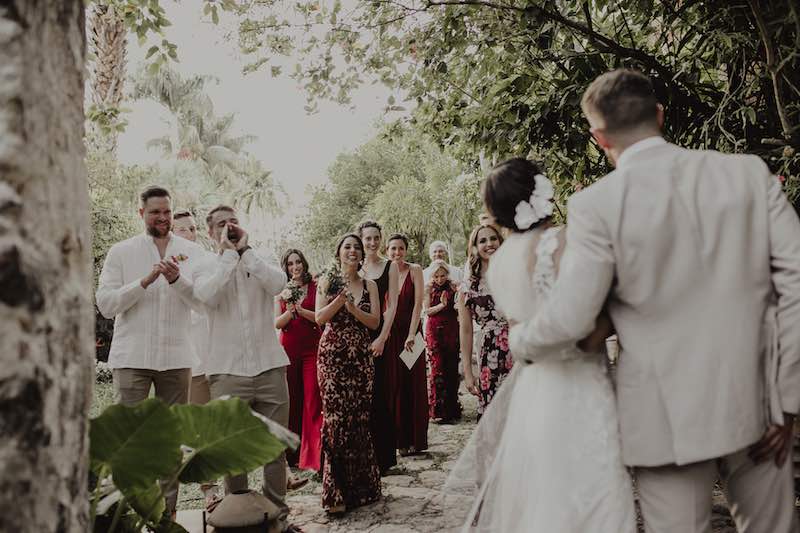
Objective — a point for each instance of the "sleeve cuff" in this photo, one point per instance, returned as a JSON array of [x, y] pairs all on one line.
[[134, 289], [182, 285], [230, 256]]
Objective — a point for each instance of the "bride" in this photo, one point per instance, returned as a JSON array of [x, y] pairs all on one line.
[[546, 455]]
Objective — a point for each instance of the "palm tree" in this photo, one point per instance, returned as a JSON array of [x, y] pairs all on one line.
[[257, 188], [207, 139], [107, 47], [201, 135]]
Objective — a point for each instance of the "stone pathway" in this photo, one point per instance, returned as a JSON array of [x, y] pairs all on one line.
[[412, 502]]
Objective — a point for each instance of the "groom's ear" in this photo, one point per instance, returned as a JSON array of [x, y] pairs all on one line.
[[660, 116], [599, 135]]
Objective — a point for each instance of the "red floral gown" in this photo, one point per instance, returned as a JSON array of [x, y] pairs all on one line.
[[494, 360], [300, 339], [350, 474], [441, 338], [408, 389]]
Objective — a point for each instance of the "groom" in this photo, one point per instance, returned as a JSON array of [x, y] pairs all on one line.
[[687, 249]]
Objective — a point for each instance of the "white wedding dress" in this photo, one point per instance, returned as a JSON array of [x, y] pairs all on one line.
[[545, 457]]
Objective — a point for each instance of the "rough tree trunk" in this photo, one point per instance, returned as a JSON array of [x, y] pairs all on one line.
[[46, 321], [108, 44]]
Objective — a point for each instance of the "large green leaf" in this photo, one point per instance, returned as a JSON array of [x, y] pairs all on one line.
[[148, 503], [226, 438], [138, 444]]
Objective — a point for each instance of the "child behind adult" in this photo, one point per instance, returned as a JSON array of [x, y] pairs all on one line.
[[442, 342]]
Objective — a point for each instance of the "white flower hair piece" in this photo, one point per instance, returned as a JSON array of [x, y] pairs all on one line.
[[539, 206]]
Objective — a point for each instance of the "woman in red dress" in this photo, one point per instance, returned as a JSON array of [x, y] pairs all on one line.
[[441, 340], [300, 338], [408, 387]]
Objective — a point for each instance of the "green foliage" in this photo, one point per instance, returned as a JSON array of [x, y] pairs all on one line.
[[124, 439], [113, 191], [492, 80], [109, 119], [133, 450], [404, 182], [205, 145], [226, 438]]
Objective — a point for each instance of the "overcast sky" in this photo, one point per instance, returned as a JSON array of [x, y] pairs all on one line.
[[298, 147]]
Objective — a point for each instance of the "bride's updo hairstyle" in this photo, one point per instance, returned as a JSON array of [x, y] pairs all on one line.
[[508, 184]]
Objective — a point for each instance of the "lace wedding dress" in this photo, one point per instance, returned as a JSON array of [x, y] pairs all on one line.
[[545, 457]]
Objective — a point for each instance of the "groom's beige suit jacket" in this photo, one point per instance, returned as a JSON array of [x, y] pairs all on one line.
[[687, 248]]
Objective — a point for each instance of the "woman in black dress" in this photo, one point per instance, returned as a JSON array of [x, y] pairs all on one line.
[[385, 274]]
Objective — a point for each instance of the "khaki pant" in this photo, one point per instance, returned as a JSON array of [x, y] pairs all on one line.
[[132, 385], [677, 499], [268, 394], [200, 391]]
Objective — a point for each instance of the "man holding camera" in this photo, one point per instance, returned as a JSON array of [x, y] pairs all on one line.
[[245, 359]]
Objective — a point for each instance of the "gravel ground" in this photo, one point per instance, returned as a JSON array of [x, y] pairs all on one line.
[[412, 490]]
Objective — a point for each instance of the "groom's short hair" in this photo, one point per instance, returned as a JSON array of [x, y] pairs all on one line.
[[623, 98]]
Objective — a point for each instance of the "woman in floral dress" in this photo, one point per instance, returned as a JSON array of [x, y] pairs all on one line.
[[475, 303], [350, 475], [441, 336]]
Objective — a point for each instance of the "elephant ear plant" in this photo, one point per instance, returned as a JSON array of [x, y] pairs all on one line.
[[137, 451]]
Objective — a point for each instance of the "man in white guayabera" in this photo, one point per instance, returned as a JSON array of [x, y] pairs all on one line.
[[438, 250], [185, 226], [245, 359], [146, 287]]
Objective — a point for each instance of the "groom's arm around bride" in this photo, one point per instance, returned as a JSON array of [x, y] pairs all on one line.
[[687, 249]]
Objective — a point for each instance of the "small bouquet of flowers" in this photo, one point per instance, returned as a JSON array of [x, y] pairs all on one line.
[[292, 294], [331, 281]]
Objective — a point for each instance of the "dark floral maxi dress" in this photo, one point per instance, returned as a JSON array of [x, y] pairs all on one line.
[[494, 360], [441, 337], [345, 372]]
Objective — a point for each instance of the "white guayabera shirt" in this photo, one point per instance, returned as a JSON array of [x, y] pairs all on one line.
[[151, 327], [198, 329], [239, 294]]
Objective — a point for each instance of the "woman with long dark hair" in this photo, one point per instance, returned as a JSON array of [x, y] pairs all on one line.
[[475, 302], [299, 335], [384, 273], [350, 474], [407, 386], [546, 453]]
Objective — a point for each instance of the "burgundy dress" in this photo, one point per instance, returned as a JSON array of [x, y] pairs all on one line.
[[382, 416], [441, 339], [350, 474], [300, 339], [408, 389]]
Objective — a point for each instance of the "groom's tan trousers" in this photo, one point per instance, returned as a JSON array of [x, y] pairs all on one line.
[[677, 499]]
